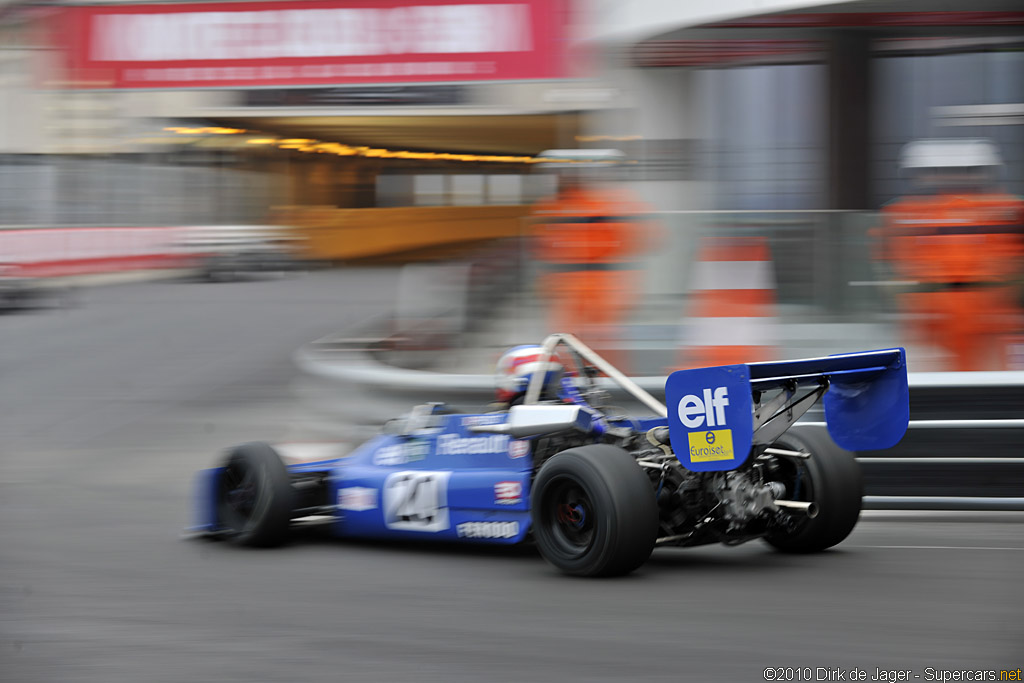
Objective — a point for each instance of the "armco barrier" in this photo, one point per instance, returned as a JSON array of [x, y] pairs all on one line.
[[962, 451], [56, 252]]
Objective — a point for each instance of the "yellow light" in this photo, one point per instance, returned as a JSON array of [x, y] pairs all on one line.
[[310, 145], [215, 130]]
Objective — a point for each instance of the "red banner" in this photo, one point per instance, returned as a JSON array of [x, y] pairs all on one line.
[[309, 42]]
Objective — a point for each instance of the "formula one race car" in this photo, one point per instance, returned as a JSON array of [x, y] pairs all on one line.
[[595, 489]]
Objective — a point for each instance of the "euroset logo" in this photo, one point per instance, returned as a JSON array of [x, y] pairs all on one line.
[[709, 410]]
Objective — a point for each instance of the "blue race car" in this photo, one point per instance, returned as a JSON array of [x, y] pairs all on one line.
[[595, 489]]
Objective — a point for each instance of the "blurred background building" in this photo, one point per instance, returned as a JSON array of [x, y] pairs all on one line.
[[404, 129], [805, 105]]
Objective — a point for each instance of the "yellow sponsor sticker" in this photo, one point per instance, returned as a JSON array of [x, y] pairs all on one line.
[[711, 446]]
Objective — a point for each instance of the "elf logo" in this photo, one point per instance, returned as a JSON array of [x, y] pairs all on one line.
[[694, 411], [711, 428]]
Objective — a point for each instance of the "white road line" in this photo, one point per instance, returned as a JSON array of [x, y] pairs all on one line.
[[933, 547], [942, 461], [995, 423]]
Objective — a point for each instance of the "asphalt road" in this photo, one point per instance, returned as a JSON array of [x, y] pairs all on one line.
[[106, 411]]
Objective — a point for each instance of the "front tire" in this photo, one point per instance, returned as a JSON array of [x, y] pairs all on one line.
[[255, 496], [594, 512], [831, 479]]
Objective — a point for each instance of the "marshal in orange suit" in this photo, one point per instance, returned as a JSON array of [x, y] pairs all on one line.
[[959, 243], [589, 238]]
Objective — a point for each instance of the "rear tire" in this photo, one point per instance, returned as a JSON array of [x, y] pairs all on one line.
[[255, 496], [594, 512], [831, 479]]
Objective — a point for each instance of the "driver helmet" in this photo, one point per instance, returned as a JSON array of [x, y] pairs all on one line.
[[516, 368]]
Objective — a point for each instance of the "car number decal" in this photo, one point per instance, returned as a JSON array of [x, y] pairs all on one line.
[[416, 501]]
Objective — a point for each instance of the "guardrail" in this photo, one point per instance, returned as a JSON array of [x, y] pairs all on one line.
[[944, 462], [56, 252]]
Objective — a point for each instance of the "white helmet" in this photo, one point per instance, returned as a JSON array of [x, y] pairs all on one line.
[[519, 364]]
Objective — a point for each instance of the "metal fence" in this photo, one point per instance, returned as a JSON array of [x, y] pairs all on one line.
[[961, 451], [829, 293], [820, 259]]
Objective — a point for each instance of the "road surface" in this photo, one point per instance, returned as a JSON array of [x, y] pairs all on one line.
[[107, 410]]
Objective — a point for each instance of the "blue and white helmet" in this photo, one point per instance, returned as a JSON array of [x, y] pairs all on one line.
[[517, 366]]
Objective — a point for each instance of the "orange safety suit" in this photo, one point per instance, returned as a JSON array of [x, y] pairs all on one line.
[[589, 240], [965, 252]]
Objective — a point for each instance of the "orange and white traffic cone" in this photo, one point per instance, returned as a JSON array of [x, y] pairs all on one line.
[[732, 317]]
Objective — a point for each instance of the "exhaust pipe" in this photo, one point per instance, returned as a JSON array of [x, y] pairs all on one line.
[[810, 508]]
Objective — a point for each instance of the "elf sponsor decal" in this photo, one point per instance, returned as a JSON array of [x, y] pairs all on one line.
[[709, 410], [508, 493], [357, 499], [693, 411], [710, 417], [487, 529]]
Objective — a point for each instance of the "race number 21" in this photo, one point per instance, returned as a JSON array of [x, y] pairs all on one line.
[[416, 501]]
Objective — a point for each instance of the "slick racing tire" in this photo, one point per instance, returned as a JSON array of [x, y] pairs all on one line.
[[594, 512], [254, 496], [831, 479]]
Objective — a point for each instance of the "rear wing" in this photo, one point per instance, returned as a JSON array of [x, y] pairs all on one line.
[[718, 416]]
